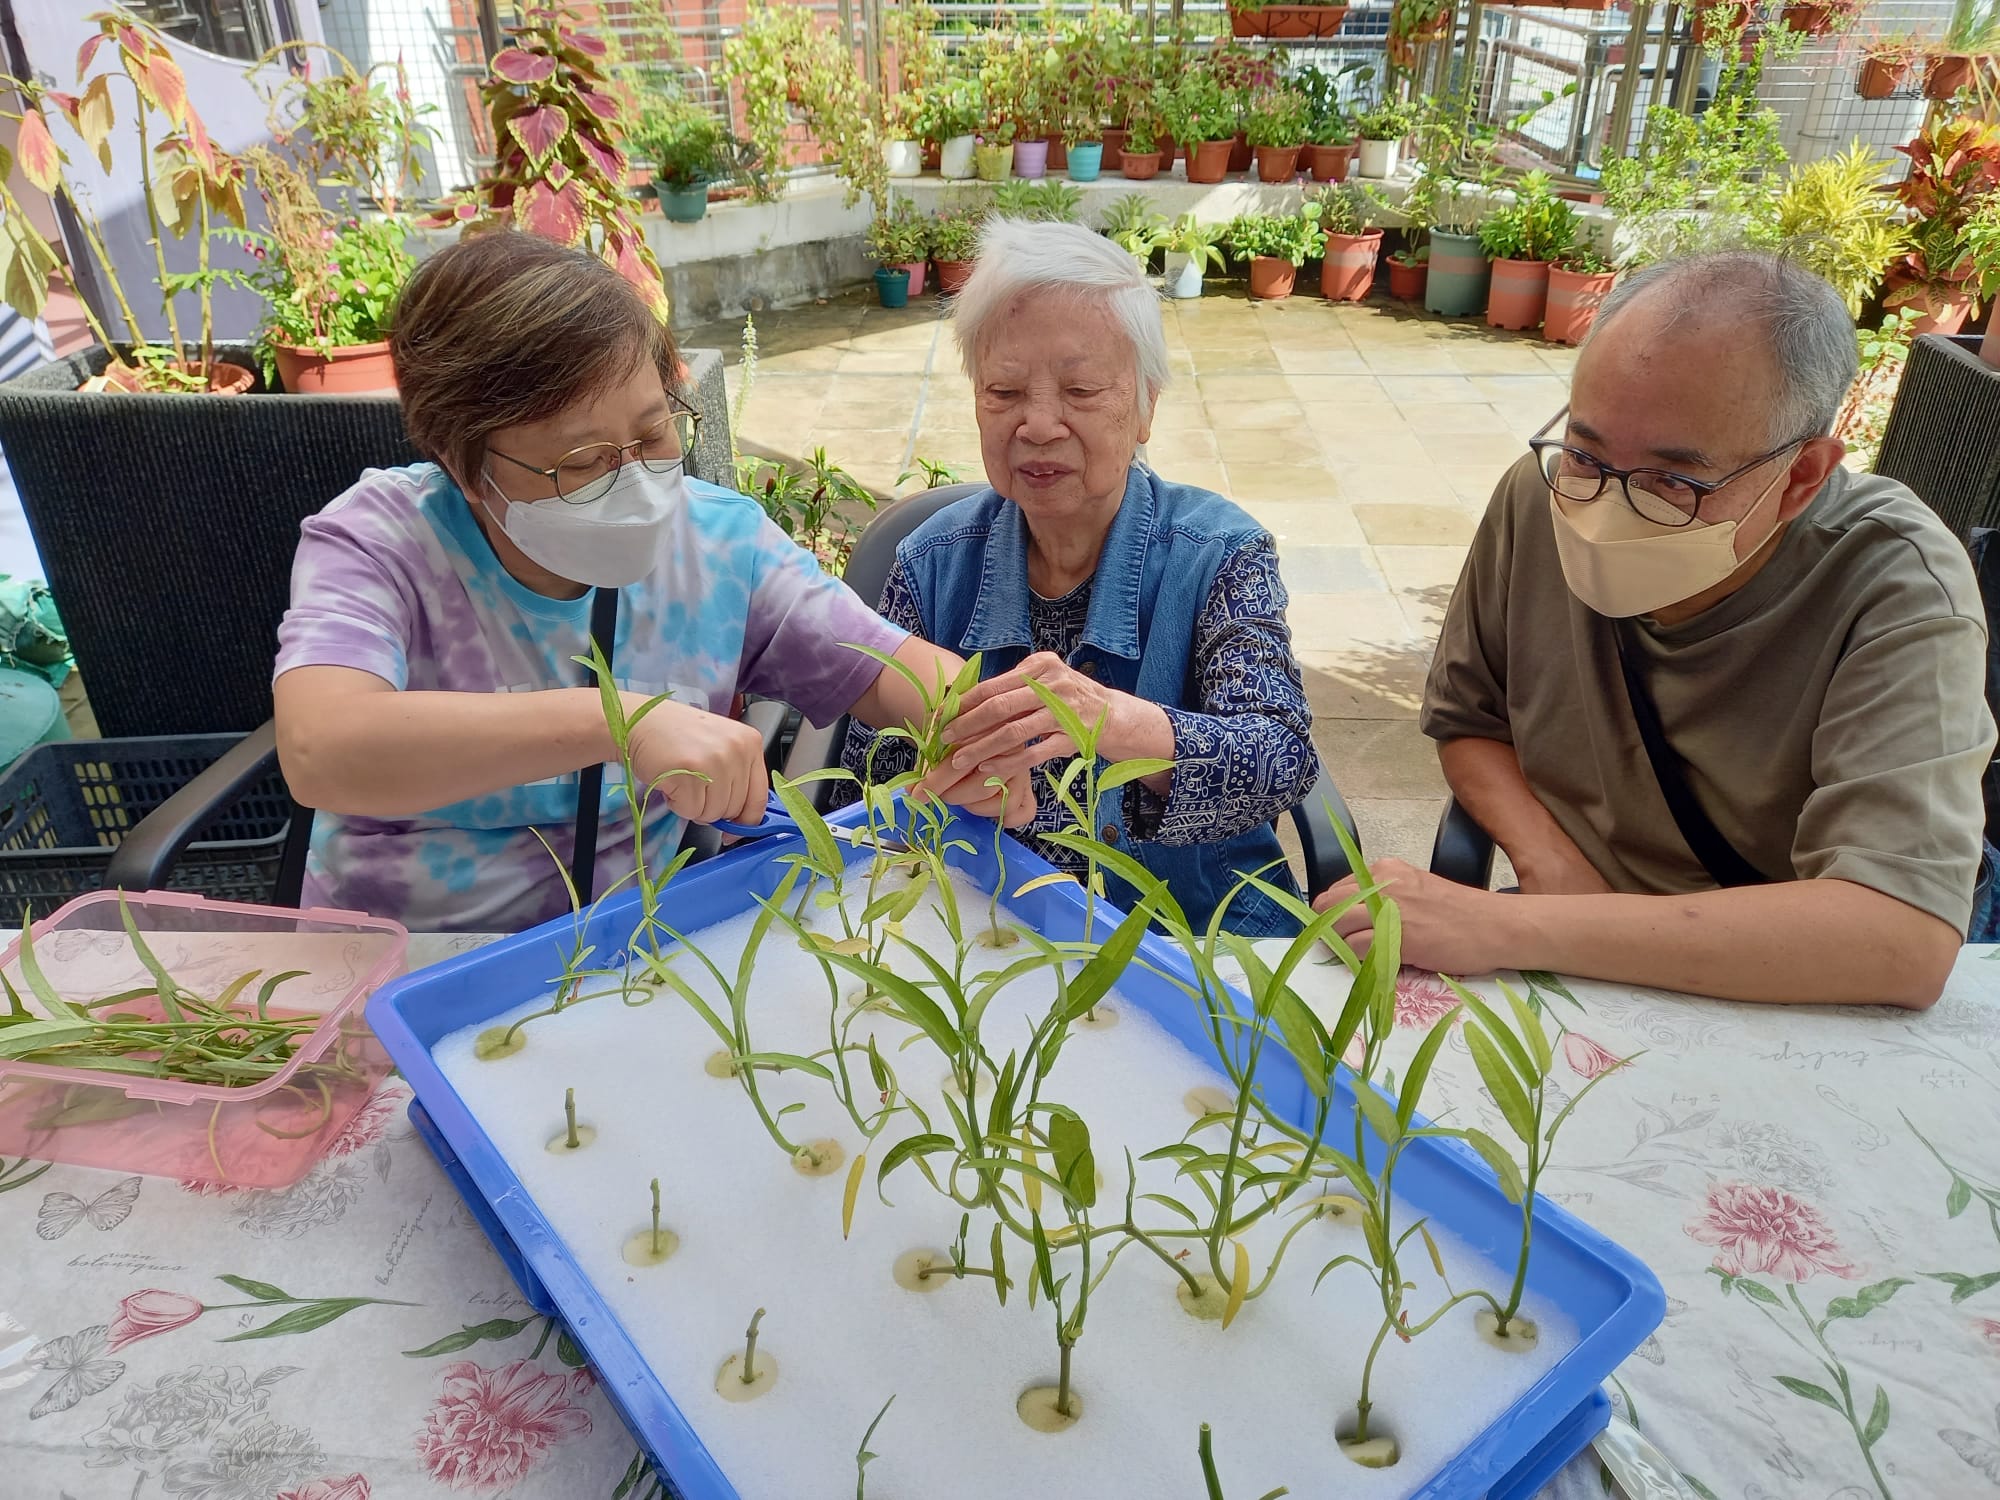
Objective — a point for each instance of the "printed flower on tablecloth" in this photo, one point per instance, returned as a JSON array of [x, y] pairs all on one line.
[[490, 1426], [1989, 1329], [251, 1463], [1422, 999], [1766, 1229], [345, 1487], [368, 1123], [146, 1313], [1586, 1058], [190, 1405], [1758, 1148]]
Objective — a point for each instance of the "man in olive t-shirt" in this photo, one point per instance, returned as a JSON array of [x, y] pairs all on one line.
[[1812, 642]]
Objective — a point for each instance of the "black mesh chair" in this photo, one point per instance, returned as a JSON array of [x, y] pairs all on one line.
[[868, 572], [1462, 851]]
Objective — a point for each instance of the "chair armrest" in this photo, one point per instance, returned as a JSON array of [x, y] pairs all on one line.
[[1463, 851], [768, 717], [146, 856], [1315, 817]]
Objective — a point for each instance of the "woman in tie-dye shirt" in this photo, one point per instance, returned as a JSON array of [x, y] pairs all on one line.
[[427, 687]]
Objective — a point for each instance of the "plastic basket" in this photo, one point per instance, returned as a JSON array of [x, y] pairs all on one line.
[[65, 807]]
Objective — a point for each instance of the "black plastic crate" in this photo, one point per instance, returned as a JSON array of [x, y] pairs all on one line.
[[65, 807]]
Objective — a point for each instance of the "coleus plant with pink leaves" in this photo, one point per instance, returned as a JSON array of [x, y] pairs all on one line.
[[557, 120]]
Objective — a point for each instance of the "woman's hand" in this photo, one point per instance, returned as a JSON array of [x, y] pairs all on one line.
[[727, 757], [1004, 729], [1013, 807]]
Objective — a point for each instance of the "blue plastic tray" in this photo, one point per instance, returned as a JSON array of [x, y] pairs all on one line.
[[1610, 1295]]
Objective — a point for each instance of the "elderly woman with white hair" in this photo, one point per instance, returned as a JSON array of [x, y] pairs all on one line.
[[1153, 605]]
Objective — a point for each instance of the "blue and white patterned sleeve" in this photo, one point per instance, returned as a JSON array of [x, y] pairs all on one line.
[[1246, 756], [893, 755]]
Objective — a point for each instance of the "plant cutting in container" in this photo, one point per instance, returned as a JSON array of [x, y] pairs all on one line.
[[1275, 126], [899, 239], [560, 171], [1140, 157], [1521, 239], [191, 182], [1276, 245], [1962, 58]]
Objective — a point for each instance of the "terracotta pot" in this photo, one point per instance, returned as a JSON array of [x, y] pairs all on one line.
[[1348, 271], [1809, 20], [1407, 281], [1881, 77], [1140, 168], [933, 157], [1947, 73], [1271, 278], [952, 275], [1288, 21], [1573, 301], [1240, 154], [1058, 154], [224, 378], [1114, 143], [1939, 311], [1329, 163], [356, 370], [1519, 294], [1277, 163], [1208, 161], [916, 270]]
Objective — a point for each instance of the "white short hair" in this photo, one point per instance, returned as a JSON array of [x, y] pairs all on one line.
[[1016, 256]]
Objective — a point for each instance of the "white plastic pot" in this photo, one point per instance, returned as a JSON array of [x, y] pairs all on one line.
[[1378, 158], [955, 157], [1183, 275], [904, 158]]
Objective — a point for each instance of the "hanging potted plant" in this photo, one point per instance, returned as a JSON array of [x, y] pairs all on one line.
[[1414, 24], [954, 243], [1140, 158], [1275, 126], [1276, 245], [1199, 117], [1248, 18], [687, 148], [1886, 64], [328, 287], [1520, 240], [1965, 52], [1579, 281], [1192, 250], [1381, 129], [1822, 17], [1352, 244]]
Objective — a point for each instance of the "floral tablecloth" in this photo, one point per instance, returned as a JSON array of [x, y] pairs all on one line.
[[1818, 1189]]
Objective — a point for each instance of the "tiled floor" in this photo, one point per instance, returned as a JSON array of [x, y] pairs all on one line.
[[1367, 438]]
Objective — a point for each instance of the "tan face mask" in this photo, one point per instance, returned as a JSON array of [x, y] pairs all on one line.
[[1621, 564]]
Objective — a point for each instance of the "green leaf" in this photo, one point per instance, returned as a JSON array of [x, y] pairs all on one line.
[[1381, 1118], [567, 1351], [820, 842], [1066, 718], [1866, 1300], [470, 1334], [1420, 1069], [998, 1253], [1127, 869], [903, 1150], [1093, 982], [1964, 1286], [1808, 1390], [1958, 1199], [1756, 1291], [1500, 1081], [1531, 1028], [1125, 771], [1542, 979], [1069, 1144], [263, 1291], [1511, 1047], [305, 1319], [1502, 1163], [1878, 1419]]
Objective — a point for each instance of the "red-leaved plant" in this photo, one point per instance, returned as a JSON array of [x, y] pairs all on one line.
[[558, 170]]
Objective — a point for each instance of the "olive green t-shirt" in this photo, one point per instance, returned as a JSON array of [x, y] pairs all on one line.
[[1831, 712]]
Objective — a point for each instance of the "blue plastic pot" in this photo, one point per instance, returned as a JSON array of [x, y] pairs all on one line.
[[1086, 159], [892, 285]]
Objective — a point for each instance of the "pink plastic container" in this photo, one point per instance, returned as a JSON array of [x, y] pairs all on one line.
[[264, 1135]]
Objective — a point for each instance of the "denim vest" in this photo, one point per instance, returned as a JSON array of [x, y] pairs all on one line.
[[968, 566]]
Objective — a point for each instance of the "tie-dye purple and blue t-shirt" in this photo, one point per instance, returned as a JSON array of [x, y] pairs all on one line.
[[395, 578]]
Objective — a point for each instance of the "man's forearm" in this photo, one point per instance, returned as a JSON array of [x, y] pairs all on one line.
[[1810, 941], [1485, 779]]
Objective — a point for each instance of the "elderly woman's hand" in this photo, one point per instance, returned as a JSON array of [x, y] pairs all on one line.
[[1011, 804], [1004, 729]]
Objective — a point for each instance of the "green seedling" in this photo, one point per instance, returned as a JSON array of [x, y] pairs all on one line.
[[1212, 1481], [862, 1457], [651, 1246]]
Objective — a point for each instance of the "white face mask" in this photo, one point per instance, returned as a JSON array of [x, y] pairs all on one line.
[[608, 542], [1621, 564]]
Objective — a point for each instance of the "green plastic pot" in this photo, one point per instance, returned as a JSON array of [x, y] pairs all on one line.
[[1459, 275], [992, 163], [892, 285], [683, 202]]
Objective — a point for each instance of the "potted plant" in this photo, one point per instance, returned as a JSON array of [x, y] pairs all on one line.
[[1275, 126], [1192, 249], [1414, 24], [1964, 52], [1520, 240], [1954, 167], [1381, 129], [1140, 158], [1132, 223], [1080, 90], [1276, 245], [1329, 150], [1199, 117], [559, 171], [192, 180], [1241, 73], [1833, 218], [951, 118], [902, 144], [1353, 244], [1579, 281], [1885, 65], [1821, 17], [954, 243], [1409, 271], [688, 148], [328, 286], [1248, 18], [900, 238]]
